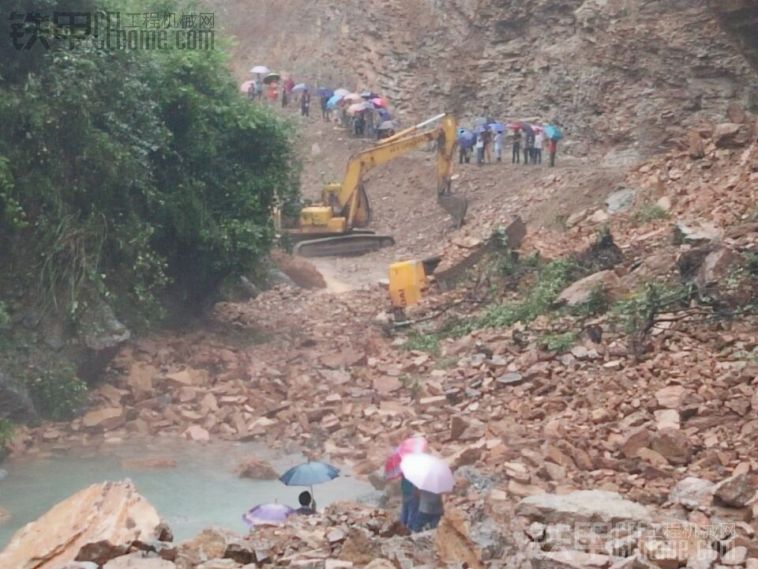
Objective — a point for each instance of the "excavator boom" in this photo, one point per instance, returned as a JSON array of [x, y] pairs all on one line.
[[333, 227]]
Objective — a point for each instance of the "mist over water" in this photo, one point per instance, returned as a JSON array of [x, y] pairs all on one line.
[[201, 491]]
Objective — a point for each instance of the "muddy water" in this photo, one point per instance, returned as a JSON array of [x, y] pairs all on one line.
[[201, 491]]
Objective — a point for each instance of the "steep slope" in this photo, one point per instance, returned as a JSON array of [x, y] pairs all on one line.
[[621, 75]]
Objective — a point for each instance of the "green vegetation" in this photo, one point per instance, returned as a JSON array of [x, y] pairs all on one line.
[[550, 281], [648, 212], [423, 342], [7, 428], [559, 342], [57, 394], [133, 174], [597, 303]]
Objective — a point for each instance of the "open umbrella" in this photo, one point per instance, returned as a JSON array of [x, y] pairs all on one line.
[[427, 472], [379, 102], [408, 446], [341, 92], [309, 473], [353, 98], [260, 70], [299, 87], [271, 78], [267, 515], [367, 95], [333, 101], [358, 107], [466, 138], [496, 127], [325, 92], [245, 87]]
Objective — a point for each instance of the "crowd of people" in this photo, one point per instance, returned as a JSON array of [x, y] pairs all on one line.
[[364, 115], [489, 138]]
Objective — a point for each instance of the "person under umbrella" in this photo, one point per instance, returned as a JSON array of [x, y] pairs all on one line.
[[392, 471], [309, 474], [432, 476], [307, 504], [516, 158]]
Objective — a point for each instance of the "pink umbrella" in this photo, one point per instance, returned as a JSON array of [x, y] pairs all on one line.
[[357, 108], [427, 472], [352, 98], [245, 87], [379, 102], [408, 446]]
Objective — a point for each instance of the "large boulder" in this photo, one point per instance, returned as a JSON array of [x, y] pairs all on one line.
[[15, 403], [97, 524], [582, 506], [581, 291], [732, 135]]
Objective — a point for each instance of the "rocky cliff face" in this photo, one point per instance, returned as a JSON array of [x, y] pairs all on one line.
[[623, 76]]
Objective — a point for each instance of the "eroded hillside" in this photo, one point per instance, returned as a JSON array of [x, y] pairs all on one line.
[[623, 76]]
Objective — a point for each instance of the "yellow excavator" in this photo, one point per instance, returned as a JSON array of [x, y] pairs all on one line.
[[336, 226]]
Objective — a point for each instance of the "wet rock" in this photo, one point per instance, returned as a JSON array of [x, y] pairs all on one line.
[[735, 491], [620, 201], [692, 493], [106, 418], [731, 135], [696, 233], [138, 561], [96, 524], [735, 556], [585, 505], [582, 290], [256, 469], [568, 559], [101, 329], [673, 445]]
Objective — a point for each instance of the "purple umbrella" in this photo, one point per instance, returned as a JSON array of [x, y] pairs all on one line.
[[267, 515]]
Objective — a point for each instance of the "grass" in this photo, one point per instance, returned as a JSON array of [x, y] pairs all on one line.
[[423, 342], [648, 212], [559, 342]]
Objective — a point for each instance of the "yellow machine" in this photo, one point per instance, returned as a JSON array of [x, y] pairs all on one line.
[[336, 225]]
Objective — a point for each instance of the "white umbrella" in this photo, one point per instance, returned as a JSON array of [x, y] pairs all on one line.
[[427, 472], [341, 92], [260, 70]]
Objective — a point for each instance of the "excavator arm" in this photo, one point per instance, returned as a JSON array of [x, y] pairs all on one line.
[[401, 143], [334, 226]]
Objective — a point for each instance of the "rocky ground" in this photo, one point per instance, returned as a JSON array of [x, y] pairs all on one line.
[[659, 425]]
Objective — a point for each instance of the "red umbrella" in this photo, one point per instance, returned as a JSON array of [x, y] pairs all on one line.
[[379, 102], [408, 446]]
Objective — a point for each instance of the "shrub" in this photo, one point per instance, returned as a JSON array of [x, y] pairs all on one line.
[[57, 394], [648, 212], [7, 428], [559, 342]]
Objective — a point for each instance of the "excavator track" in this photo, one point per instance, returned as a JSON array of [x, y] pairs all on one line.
[[343, 245]]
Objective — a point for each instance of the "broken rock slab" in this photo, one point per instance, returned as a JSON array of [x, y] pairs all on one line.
[[582, 506], [736, 491], [692, 493], [582, 290], [97, 524]]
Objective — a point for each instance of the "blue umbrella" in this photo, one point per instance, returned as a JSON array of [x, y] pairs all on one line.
[[553, 132], [466, 138], [332, 102], [479, 129], [309, 473], [384, 114], [497, 127], [325, 92]]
